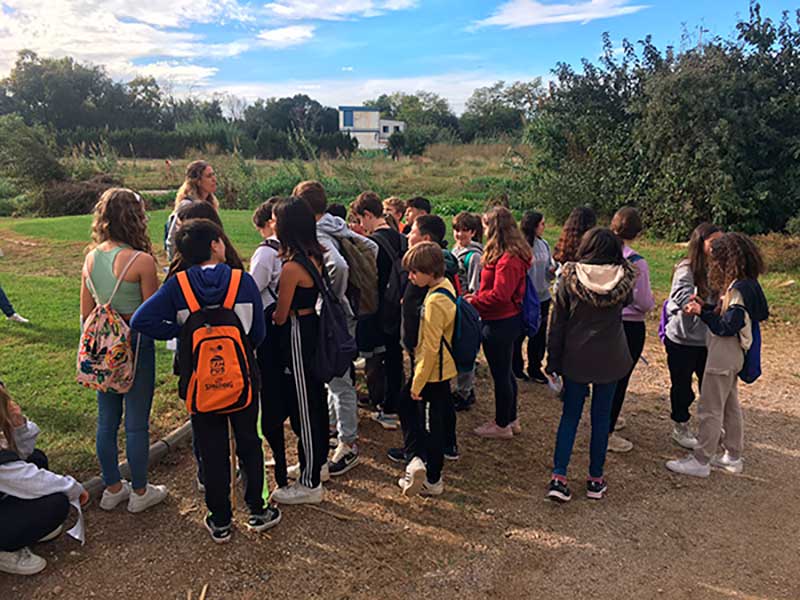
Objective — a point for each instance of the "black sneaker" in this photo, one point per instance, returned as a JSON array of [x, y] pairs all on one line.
[[397, 455], [266, 520], [538, 377], [347, 461], [596, 489], [220, 535], [558, 491], [520, 375], [365, 403], [471, 397], [460, 403], [451, 453]]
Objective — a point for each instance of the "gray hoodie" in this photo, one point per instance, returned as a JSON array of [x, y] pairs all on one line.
[[684, 329], [329, 230], [469, 275]]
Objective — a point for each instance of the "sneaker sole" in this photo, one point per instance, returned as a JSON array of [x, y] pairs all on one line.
[[216, 540], [344, 470], [557, 497], [29, 571], [113, 506], [728, 469], [136, 511], [698, 475], [296, 501], [265, 526], [417, 481], [596, 495], [683, 444], [620, 450], [452, 457], [394, 459]]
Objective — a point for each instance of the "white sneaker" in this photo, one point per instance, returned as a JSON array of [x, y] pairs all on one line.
[[621, 423], [683, 436], [52, 535], [110, 501], [726, 462], [153, 495], [414, 478], [18, 318], [297, 493], [617, 443], [689, 466], [385, 420], [294, 472], [360, 364], [432, 489], [21, 562]]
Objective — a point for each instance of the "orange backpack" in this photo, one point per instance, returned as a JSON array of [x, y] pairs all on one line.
[[216, 363]]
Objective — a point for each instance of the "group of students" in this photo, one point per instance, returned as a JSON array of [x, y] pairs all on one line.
[[382, 282]]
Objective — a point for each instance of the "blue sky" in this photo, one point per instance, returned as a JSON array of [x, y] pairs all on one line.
[[345, 51]]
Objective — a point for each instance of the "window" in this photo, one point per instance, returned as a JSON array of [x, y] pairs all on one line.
[[348, 118], [385, 129], [397, 128]]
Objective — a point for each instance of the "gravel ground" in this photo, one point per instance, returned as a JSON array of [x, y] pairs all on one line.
[[491, 535]]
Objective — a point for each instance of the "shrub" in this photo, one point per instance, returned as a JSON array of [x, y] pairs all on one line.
[[26, 153], [793, 226], [782, 253], [72, 197]]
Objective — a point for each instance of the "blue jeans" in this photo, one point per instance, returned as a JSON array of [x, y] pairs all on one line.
[[137, 402], [5, 304], [574, 396]]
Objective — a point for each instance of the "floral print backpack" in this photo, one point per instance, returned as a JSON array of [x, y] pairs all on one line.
[[106, 362]]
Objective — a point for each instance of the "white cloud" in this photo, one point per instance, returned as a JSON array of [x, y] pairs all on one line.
[[284, 37], [122, 35], [527, 13], [347, 69], [335, 10], [456, 87]]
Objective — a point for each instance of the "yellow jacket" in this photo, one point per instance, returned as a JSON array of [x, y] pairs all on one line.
[[437, 322]]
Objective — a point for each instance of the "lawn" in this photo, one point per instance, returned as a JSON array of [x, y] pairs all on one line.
[[40, 274]]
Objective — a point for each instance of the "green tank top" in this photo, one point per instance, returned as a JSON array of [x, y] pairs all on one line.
[[129, 295]]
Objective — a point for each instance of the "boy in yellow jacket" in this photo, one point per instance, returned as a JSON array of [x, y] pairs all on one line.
[[434, 368]]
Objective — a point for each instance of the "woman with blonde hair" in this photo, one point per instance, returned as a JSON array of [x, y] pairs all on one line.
[[199, 185], [120, 269], [506, 260]]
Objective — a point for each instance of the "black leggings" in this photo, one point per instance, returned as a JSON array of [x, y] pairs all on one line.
[[25, 522], [536, 346], [275, 388], [635, 333], [683, 362], [498, 346]]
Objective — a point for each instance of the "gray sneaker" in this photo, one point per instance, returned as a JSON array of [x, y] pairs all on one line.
[[683, 436], [689, 466], [154, 494], [21, 562], [727, 463], [110, 500]]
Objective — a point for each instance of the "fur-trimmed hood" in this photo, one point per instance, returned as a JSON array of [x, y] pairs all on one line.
[[600, 285]]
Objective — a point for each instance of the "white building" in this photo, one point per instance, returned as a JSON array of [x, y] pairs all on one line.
[[365, 124]]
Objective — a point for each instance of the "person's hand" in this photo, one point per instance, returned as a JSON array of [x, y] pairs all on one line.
[[469, 297], [84, 498], [416, 397], [15, 413], [694, 307]]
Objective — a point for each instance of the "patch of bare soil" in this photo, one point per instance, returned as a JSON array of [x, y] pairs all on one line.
[[491, 535]]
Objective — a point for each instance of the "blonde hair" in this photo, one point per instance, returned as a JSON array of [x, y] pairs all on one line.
[[120, 216], [393, 203], [503, 235], [6, 426], [189, 189]]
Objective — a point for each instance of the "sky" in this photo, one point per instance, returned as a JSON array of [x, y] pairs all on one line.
[[342, 52]]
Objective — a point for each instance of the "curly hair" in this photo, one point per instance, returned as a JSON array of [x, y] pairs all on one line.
[[503, 235], [120, 216], [734, 257], [580, 220]]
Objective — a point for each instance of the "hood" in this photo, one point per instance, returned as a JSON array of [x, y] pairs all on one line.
[[332, 226], [450, 263], [473, 247], [754, 300], [602, 286], [210, 285]]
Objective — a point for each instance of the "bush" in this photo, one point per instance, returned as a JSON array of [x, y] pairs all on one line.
[[26, 153], [7, 189], [72, 197], [793, 226], [159, 201], [781, 253]]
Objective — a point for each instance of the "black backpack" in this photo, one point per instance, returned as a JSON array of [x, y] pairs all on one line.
[[395, 286], [335, 349]]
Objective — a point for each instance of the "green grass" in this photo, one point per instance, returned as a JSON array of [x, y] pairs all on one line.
[[38, 361]]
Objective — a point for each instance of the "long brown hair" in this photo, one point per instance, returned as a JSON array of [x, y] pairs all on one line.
[[189, 190], [503, 235], [120, 216], [6, 426], [580, 220], [734, 257], [698, 262]]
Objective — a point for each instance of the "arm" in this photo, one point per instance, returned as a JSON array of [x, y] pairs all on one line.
[[157, 316], [27, 481], [643, 300], [474, 273], [430, 344], [25, 437], [87, 301], [261, 266], [683, 288], [290, 275], [508, 273], [148, 276], [558, 331], [729, 324]]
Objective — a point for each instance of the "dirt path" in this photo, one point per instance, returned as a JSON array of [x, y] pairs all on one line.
[[491, 535]]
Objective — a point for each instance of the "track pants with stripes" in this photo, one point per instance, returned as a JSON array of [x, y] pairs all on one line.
[[308, 410]]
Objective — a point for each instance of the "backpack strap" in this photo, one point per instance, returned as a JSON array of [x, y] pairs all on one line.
[[274, 244], [634, 258], [233, 289], [122, 276], [188, 293], [444, 342]]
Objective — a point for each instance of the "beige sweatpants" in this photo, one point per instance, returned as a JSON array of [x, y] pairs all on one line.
[[719, 406]]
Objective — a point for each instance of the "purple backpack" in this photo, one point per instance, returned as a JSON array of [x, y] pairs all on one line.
[[662, 323]]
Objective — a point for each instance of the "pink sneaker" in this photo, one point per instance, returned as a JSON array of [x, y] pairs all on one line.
[[492, 430], [516, 428]]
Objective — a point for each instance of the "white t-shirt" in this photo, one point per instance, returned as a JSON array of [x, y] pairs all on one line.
[[265, 267]]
